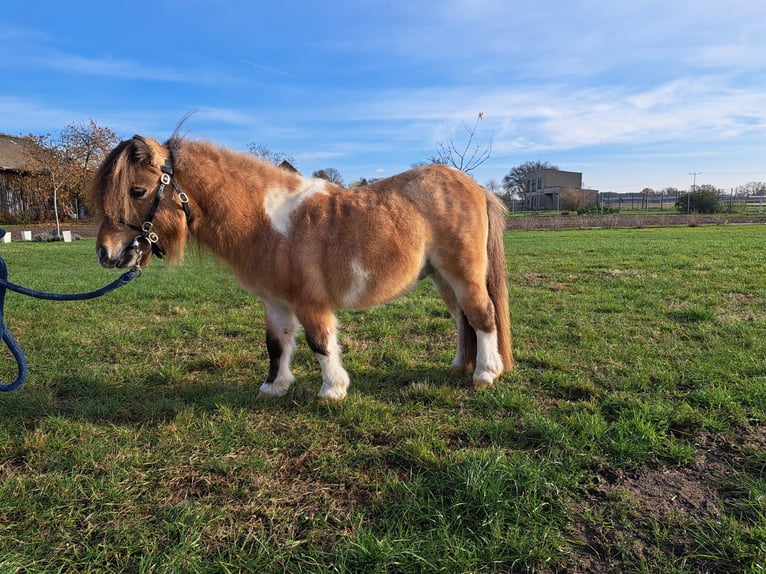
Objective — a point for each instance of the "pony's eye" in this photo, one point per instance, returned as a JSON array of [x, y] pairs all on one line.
[[137, 192]]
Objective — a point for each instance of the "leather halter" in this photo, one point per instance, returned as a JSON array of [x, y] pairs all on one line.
[[146, 227]]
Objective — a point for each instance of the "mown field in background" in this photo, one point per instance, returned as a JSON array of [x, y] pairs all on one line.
[[630, 438]]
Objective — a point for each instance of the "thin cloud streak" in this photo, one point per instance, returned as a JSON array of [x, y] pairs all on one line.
[[272, 70]]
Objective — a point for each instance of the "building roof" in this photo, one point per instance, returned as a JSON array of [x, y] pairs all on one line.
[[13, 153]]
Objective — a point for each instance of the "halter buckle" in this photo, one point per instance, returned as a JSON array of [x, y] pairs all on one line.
[[147, 227], [165, 179]]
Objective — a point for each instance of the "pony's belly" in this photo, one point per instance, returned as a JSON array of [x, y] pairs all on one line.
[[366, 287], [375, 295]]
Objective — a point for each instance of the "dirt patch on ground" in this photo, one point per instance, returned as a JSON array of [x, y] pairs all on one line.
[[649, 515]]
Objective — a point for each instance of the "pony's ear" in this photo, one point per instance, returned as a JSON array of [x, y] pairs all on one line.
[[148, 151]]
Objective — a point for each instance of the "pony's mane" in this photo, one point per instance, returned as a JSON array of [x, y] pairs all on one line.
[[116, 172]]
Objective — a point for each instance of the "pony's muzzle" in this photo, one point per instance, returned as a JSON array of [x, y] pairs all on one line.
[[126, 256]]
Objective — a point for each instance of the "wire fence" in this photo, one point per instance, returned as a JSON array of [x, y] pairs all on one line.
[[637, 202]]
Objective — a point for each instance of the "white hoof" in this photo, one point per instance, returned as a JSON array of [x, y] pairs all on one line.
[[335, 379], [330, 394], [489, 363], [276, 389], [336, 391], [483, 379]]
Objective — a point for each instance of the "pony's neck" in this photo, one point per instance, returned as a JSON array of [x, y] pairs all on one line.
[[226, 191]]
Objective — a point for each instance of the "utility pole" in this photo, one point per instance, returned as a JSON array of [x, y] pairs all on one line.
[[694, 175]]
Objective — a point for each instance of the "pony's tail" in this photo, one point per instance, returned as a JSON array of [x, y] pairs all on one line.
[[496, 280]]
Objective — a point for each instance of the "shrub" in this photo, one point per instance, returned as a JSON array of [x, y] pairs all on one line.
[[701, 200]]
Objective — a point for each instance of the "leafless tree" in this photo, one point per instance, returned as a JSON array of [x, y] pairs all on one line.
[[262, 151], [493, 186], [330, 174], [514, 181], [752, 188], [465, 154]]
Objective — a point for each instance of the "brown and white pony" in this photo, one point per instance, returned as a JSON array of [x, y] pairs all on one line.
[[307, 247]]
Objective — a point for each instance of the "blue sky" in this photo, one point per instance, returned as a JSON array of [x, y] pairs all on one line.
[[633, 94]]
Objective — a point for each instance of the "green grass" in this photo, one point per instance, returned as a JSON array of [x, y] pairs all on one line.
[[630, 437]]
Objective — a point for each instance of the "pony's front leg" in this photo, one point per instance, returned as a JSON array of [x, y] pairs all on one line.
[[281, 327], [320, 328]]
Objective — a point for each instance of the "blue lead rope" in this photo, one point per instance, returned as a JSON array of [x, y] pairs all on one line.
[[18, 354]]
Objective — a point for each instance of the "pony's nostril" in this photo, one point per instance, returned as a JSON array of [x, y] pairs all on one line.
[[103, 256]]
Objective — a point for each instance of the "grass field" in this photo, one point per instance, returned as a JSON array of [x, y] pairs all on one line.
[[630, 438]]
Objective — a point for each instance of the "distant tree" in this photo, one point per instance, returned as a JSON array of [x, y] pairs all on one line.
[[752, 188], [703, 199], [330, 174], [513, 182], [88, 145], [464, 155], [66, 162], [493, 186], [262, 151], [57, 167]]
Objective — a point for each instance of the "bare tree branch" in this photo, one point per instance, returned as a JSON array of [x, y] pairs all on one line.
[[467, 156], [261, 151], [331, 174]]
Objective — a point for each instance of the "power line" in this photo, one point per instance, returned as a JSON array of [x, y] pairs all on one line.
[[736, 173]]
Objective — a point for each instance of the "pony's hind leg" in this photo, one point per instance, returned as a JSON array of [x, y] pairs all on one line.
[[320, 328], [477, 332], [465, 351], [281, 328], [480, 312]]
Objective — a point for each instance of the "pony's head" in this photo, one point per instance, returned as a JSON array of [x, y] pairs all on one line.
[[140, 212]]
